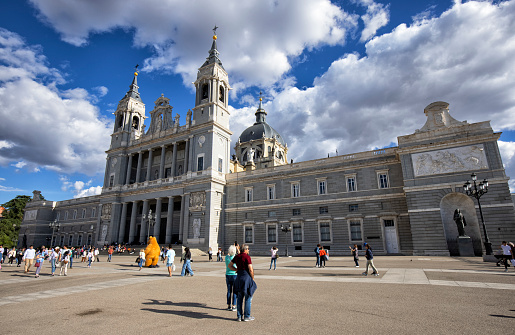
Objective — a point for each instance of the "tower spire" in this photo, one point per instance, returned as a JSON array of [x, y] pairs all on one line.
[[133, 89], [213, 53], [260, 113]]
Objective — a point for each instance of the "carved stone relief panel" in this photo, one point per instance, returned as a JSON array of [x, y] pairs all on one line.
[[469, 158], [106, 210], [31, 215], [197, 200]]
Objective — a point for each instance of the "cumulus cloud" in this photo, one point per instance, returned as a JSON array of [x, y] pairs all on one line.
[[365, 101], [376, 17], [507, 150], [43, 126], [79, 188], [258, 39]]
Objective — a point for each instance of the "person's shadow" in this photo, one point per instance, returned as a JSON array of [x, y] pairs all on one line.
[[185, 313]]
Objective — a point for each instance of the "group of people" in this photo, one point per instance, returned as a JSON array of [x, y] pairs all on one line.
[[322, 255]]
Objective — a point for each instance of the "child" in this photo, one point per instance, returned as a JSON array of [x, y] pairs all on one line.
[[354, 251]]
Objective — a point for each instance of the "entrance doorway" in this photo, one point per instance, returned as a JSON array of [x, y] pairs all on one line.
[[390, 236]]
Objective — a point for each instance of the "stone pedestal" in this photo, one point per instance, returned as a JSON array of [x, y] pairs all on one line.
[[465, 246]]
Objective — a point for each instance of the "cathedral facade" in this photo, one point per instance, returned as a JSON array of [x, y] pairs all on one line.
[[179, 184]]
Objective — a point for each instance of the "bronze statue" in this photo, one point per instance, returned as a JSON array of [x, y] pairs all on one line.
[[460, 222]]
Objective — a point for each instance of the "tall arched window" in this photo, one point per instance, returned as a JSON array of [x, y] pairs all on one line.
[[135, 122], [222, 94], [205, 91]]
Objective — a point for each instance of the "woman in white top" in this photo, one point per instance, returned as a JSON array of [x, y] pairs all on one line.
[[274, 252], [141, 258]]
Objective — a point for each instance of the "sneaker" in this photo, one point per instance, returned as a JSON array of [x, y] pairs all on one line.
[[239, 319], [364, 273], [505, 270], [234, 309], [357, 266], [229, 308], [375, 273], [249, 318]]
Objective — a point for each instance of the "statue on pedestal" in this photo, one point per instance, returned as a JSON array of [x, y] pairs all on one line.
[[460, 222]]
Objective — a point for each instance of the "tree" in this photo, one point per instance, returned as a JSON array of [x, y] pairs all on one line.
[[11, 220]]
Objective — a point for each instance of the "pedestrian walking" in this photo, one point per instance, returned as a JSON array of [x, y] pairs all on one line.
[[19, 256], [274, 255], [317, 254], [72, 253], [141, 259], [169, 258], [40, 256], [28, 257], [210, 254], [512, 246], [186, 266], [12, 256], [370, 256], [323, 257], [355, 255], [110, 253], [230, 278], [219, 255], [64, 260], [54, 257], [244, 285], [97, 252], [90, 256], [506, 254]]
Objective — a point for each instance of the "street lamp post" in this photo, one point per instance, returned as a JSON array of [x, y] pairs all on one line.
[[476, 191], [55, 227], [286, 229], [151, 221]]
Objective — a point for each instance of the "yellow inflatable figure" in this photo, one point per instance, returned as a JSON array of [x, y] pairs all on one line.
[[152, 252]]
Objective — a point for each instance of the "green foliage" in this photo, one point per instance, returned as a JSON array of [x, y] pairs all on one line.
[[11, 220]]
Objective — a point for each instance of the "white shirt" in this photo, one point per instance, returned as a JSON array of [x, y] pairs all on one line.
[[96, 252], [29, 254], [506, 249], [1, 250]]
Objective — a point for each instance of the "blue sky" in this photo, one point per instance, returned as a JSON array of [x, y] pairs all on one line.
[[336, 75]]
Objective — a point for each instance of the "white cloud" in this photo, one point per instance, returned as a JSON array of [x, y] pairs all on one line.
[[376, 17], [2, 179], [507, 150], [101, 90], [94, 190], [258, 39], [42, 126], [10, 189], [77, 187], [365, 102]]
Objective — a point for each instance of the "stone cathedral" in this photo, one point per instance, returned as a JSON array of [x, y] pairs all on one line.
[[177, 181]]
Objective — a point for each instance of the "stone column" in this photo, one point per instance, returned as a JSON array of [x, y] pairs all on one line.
[[185, 216], [123, 221], [138, 169], [149, 165], [174, 158], [114, 224], [106, 173], [162, 163], [129, 171], [186, 156], [157, 225], [95, 234], [143, 229], [132, 227], [169, 221]]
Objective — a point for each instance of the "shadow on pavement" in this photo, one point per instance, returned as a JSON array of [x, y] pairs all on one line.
[[188, 314]]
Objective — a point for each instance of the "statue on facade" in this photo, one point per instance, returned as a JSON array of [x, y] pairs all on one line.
[[251, 155], [460, 222], [36, 196], [196, 228]]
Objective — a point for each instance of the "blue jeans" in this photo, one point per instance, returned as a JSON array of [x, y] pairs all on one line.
[[89, 261], [52, 262], [248, 304], [109, 257], [141, 262], [274, 261], [71, 262], [229, 280], [318, 260], [186, 265]]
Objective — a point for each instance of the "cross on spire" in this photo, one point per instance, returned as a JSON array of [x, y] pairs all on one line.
[[214, 29]]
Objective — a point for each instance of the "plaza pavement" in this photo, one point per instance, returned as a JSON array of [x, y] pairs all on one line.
[[422, 295]]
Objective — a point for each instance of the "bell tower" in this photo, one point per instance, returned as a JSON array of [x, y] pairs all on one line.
[[212, 90], [129, 117]]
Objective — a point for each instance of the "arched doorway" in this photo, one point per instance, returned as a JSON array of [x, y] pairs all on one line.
[[448, 205]]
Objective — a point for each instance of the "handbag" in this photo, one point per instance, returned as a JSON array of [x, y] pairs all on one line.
[[37, 264]]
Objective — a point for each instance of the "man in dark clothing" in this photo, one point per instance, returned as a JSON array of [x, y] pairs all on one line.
[[369, 256], [244, 284]]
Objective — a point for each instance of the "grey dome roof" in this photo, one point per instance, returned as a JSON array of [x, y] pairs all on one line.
[[260, 127], [255, 132]]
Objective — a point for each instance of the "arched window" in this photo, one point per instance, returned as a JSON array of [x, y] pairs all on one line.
[[135, 122], [222, 93], [205, 91], [120, 121]]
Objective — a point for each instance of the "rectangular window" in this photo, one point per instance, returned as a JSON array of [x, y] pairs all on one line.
[[200, 163], [355, 230], [296, 211], [249, 234], [111, 180], [353, 208], [389, 223], [93, 212], [295, 190], [297, 232], [272, 214], [272, 233], [58, 216], [351, 184], [270, 192], [322, 187], [89, 240], [83, 213], [168, 172], [325, 231], [382, 179], [62, 240], [75, 214], [70, 240], [79, 240], [66, 215], [220, 165], [248, 194], [323, 210]]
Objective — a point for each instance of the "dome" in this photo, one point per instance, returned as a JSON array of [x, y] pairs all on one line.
[[256, 131], [260, 129]]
